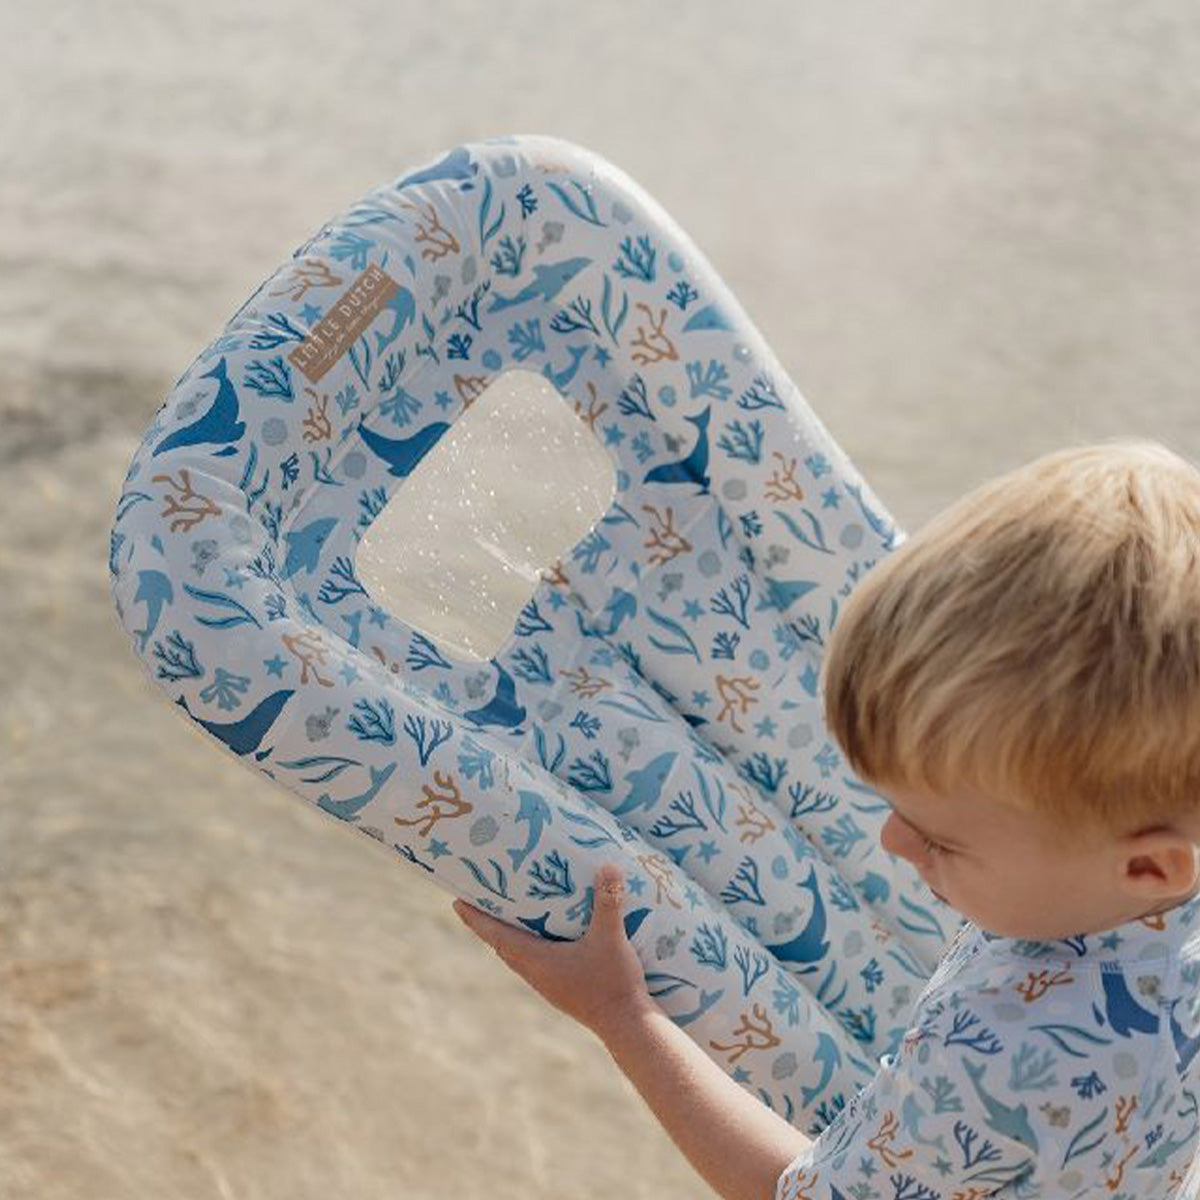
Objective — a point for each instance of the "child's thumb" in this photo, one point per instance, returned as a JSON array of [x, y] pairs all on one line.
[[609, 892]]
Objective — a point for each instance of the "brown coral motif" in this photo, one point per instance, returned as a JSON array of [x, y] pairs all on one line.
[[785, 485], [887, 1132], [666, 541], [736, 690], [468, 387], [756, 821], [555, 576], [760, 1035], [658, 867], [801, 1183], [1038, 983], [440, 240], [456, 806], [1113, 1182], [190, 507], [583, 684], [394, 667], [1125, 1109], [311, 273], [317, 427], [653, 346], [593, 411], [310, 650], [882, 932]]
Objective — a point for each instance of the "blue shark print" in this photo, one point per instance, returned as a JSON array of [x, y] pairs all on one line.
[[304, 546], [678, 642], [218, 426], [547, 282]]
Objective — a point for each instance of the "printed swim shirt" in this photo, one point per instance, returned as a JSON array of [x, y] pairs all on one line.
[[1064, 1069]]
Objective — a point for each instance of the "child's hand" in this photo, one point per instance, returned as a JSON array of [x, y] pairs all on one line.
[[598, 979]]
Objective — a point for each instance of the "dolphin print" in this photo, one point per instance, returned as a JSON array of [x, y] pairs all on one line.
[[155, 591]]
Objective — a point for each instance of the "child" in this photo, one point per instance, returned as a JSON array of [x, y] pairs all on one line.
[[1021, 681]]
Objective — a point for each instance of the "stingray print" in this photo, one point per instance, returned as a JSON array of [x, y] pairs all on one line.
[[656, 701]]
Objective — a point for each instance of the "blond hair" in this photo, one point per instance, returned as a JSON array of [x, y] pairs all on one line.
[[1038, 643]]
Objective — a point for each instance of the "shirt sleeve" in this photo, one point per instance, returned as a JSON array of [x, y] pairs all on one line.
[[934, 1123]]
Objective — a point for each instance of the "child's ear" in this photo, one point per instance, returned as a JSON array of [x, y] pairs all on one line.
[[1161, 863]]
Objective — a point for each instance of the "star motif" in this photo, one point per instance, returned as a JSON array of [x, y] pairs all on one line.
[[1111, 941], [442, 400], [690, 896], [740, 1074], [311, 313], [601, 355], [275, 666], [700, 699], [636, 884], [557, 600], [349, 673], [234, 578], [613, 434], [378, 617], [693, 609], [437, 848], [941, 1165], [830, 499], [707, 850], [765, 728]]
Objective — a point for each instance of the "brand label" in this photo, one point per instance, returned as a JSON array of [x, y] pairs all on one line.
[[336, 331]]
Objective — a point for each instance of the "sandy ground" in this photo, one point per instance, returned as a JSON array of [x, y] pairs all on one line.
[[968, 228]]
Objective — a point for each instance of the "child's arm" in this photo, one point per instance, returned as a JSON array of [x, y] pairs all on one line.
[[737, 1144]]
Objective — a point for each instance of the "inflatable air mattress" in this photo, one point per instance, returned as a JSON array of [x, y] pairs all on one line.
[[656, 701]]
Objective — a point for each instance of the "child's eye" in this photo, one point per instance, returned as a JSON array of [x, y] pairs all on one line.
[[935, 847]]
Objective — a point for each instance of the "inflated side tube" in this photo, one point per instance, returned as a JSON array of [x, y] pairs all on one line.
[[656, 701]]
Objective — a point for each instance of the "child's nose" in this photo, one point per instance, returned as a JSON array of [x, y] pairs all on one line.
[[898, 838]]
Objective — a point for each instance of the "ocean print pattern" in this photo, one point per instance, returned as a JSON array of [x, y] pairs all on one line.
[[1061, 1070], [656, 702]]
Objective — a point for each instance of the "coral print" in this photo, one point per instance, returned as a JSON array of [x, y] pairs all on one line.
[[656, 702]]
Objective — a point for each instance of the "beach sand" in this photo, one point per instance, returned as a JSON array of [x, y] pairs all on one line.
[[968, 230]]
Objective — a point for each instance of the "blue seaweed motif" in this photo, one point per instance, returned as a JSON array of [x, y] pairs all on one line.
[[590, 216], [634, 706], [239, 613], [683, 643], [331, 766], [603, 838], [486, 232], [611, 323]]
